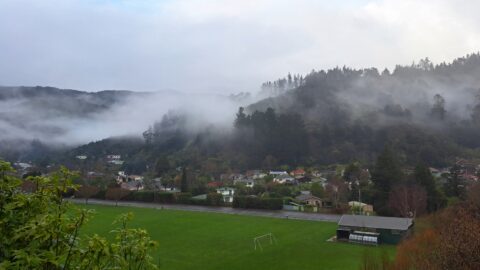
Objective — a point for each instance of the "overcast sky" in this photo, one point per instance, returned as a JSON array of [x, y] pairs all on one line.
[[220, 46]]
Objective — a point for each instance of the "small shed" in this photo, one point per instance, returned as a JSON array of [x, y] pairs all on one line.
[[373, 229]]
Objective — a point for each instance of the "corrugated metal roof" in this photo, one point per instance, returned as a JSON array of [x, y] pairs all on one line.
[[391, 223]]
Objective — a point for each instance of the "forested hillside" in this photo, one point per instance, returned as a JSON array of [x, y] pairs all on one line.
[[425, 112]]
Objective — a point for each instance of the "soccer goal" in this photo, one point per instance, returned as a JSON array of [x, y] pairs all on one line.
[[268, 238]]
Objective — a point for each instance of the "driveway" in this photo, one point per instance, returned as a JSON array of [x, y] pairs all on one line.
[[223, 210]]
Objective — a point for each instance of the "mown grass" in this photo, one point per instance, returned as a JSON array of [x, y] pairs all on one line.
[[193, 240]]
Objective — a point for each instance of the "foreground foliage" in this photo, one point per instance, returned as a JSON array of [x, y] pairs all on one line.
[[40, 230]]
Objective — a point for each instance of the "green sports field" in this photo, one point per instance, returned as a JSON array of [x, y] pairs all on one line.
[[193, 240]]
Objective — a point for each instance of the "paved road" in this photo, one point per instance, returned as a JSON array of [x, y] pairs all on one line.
[[223, 210]]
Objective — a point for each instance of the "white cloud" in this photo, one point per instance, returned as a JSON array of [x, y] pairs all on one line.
[[220, 46]]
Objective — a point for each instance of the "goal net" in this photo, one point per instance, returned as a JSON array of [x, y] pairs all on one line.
[[266, 239]]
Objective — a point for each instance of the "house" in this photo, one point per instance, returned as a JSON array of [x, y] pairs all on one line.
[[214, 184], [361, 207], [170, 189], [117, 162], [255, 174], [373, 229], [322, 181], [316, 173], [227, 193], [113, 157], [236, 176], [435, 172], [304, 179], [309, 199], [135, 178], [283, 179], [248, 182], [298, 173], [81, 157], [276, 173], [132, 185]]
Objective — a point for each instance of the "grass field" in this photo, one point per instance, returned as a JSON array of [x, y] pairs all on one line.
[[192, 240]]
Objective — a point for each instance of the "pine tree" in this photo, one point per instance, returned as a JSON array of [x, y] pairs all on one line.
[[386, 174]]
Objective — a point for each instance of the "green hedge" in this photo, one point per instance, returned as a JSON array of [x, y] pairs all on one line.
[[183, 197], [249, 202], [214, 199], [164, 197]]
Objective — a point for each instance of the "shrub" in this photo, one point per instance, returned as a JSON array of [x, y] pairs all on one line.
[[308, 208], [183, 197], [100, 194], [164, 197], [214, 199], [143, 196]]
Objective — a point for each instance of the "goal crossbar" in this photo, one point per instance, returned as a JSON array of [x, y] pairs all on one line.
[[257, 243]]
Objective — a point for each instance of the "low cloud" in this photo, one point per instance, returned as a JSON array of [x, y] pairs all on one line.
[[220, 46]]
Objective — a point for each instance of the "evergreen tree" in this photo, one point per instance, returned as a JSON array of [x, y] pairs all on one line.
[[386, 174], [424, 178]]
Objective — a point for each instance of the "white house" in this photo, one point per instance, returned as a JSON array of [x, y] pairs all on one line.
[[248, 182], [132, 185], [284, 179], [114, 157], [227, 193], [116, 162], [275, 173], [256, 174], [81, 157]]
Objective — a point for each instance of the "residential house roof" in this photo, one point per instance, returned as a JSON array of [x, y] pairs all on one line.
[[244, 180], [306, 197], [215, 184], [200, 197], [390, 223], [278, 172], [298, 172]]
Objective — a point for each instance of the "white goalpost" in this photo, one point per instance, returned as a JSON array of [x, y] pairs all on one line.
[[266, 238]]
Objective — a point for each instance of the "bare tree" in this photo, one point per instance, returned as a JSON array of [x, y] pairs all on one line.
[[86, 192], [116, 194], [408, 201]]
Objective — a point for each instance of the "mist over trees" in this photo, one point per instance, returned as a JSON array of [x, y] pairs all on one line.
[[426, 113]]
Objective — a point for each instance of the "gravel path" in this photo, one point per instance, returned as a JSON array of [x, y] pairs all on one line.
[[223, 210]]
